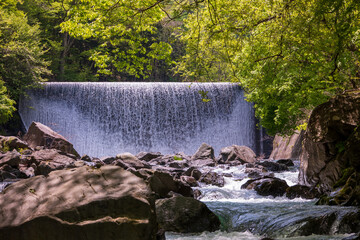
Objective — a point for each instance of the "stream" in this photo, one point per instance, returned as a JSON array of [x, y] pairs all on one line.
[[246, 215]]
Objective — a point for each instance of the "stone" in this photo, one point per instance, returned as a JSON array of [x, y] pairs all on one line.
[[107, 159], [237, 153], [85, 158], [273, 166], [205, 151], [10, 143], [10, 158], [189, 180], [193, 172], [131, 161], [287, 162], [41, 135], [185, 215], [331, 143], [213, 178], [287, 147], [81, 203], [301, 191], [148, 156], [267, 186], [48, 160]]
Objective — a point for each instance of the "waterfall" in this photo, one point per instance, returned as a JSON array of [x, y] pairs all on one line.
[[109, 118]]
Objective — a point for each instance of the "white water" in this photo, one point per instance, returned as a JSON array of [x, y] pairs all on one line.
[[246, 215], [109, 118]]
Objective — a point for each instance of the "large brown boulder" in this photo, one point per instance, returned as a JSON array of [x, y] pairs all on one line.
[[185, 215], [243, 154], [41, 135], [287, 147], [331, 142], [82, 203]]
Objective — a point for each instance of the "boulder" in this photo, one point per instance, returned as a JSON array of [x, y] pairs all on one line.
[[242, 154], [48, 160], [82, 203], [185, 215], [193, 172], [287, 162], [205, 151], [273, 166], [41, 135], [148, 156], [10, 158], [213, 178], [287, 147], [267, 186], [129, 160], [331, 143], [107, 159], [301, 191], [10, 143]]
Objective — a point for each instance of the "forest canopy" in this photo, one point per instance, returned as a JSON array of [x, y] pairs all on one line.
[[288, 55]]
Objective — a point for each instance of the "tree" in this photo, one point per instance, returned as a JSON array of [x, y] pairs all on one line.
[[288, 55], [21, 56]]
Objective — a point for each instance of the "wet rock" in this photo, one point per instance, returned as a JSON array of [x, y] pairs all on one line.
[[41, 135], [273, 166], [10, 158], [189, 180], [287, 162], [202, 163], [193, 172], [267, 186], [185, 215], [10, 143], [148, 156], [82, 203], [242, 154], [49, 160], [213, 178], [301, 191], [162, 183]]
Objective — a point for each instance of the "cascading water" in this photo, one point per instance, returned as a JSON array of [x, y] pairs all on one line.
[[108, 118]]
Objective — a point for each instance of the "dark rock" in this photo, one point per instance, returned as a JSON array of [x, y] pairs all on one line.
[[301, 191], [41, 135], [10, 143], [267, 186], [189, 180], [49, 160], [273, 166], [242, 154], [287, 162], [10, 158], [331, 143], [193, 172], [148, 156], [82, 203], [107, 159], [213, 178], [86, 158], [131, 161], [185, 215], [205, 151]]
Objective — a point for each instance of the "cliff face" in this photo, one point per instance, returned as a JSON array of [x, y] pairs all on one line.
[[287, 147], [330, 158]]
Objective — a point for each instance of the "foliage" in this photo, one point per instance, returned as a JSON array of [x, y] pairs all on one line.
[[21, 53], [288, 55], [6, 104], [125, 31]]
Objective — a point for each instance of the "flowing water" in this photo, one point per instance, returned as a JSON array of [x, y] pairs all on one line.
[[246, 215], [103, 119]]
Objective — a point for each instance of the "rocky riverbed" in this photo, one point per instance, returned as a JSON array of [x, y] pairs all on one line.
[[150, 195]]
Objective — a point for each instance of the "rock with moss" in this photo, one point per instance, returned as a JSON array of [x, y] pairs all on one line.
[[10, 143], [331, 145]]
